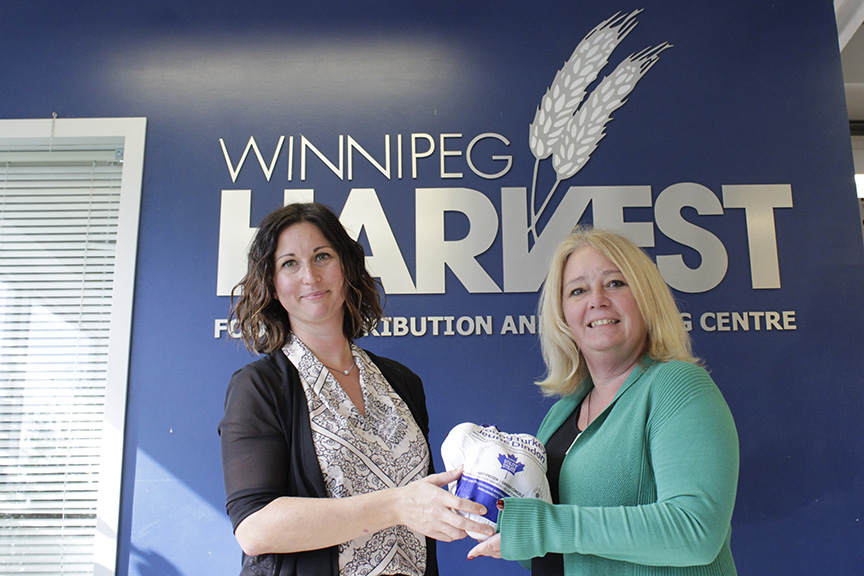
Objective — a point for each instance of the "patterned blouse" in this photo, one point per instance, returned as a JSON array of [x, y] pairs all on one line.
[[359, 454]]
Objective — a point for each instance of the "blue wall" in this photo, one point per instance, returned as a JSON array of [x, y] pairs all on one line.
[[749, 94]]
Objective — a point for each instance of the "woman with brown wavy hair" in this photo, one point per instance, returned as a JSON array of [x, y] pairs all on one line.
[[325, 449]]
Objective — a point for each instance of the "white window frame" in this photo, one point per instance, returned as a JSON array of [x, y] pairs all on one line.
[[132, 131]]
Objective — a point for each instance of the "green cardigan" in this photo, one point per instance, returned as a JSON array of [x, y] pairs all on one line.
[[649, 486]]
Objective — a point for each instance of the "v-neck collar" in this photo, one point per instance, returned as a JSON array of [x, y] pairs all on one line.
[[570, 402]]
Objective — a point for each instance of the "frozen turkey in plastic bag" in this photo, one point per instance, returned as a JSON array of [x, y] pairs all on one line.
[[495, 465]]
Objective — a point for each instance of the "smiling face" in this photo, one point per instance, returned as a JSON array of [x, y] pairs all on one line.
[[308, 280], [601, 311]]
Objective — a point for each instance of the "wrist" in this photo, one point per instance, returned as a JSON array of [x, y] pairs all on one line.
[[390, 505]]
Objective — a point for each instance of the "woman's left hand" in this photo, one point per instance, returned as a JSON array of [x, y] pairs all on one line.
[[490, 547]]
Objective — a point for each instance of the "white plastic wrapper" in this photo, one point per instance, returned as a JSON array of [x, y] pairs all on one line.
[[495, 465]]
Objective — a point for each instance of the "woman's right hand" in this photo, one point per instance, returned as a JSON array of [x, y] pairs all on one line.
[[490, 547], [291, 524], [427, 507]]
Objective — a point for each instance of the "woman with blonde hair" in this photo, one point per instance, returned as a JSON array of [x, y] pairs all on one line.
[[642, 448]]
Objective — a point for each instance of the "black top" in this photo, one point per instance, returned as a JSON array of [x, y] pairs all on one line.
[[267, 452], [556, 449]]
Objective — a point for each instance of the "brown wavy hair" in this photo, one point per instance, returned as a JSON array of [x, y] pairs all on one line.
[[257, 314]]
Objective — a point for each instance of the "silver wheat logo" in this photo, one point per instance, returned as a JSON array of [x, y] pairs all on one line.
[[568, 126]]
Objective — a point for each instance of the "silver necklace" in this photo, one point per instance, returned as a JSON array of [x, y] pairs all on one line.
[[588, 409], [587, 421], [345, 372], [588, 415]]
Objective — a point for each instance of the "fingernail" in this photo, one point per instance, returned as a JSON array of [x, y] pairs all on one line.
[[471, 557], [499, 504]]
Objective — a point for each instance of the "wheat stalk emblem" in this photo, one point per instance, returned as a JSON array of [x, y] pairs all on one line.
[[568, 126]]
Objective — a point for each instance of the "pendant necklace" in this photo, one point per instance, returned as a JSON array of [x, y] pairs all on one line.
[[345, 372], [587, 421], [588, 409]]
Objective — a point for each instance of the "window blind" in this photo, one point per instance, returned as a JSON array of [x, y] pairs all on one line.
[[58, 237]]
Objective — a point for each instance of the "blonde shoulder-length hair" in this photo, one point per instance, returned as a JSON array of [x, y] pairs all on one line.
[[667, 338]]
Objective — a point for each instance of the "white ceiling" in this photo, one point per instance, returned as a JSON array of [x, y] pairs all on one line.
[[850, 16]]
